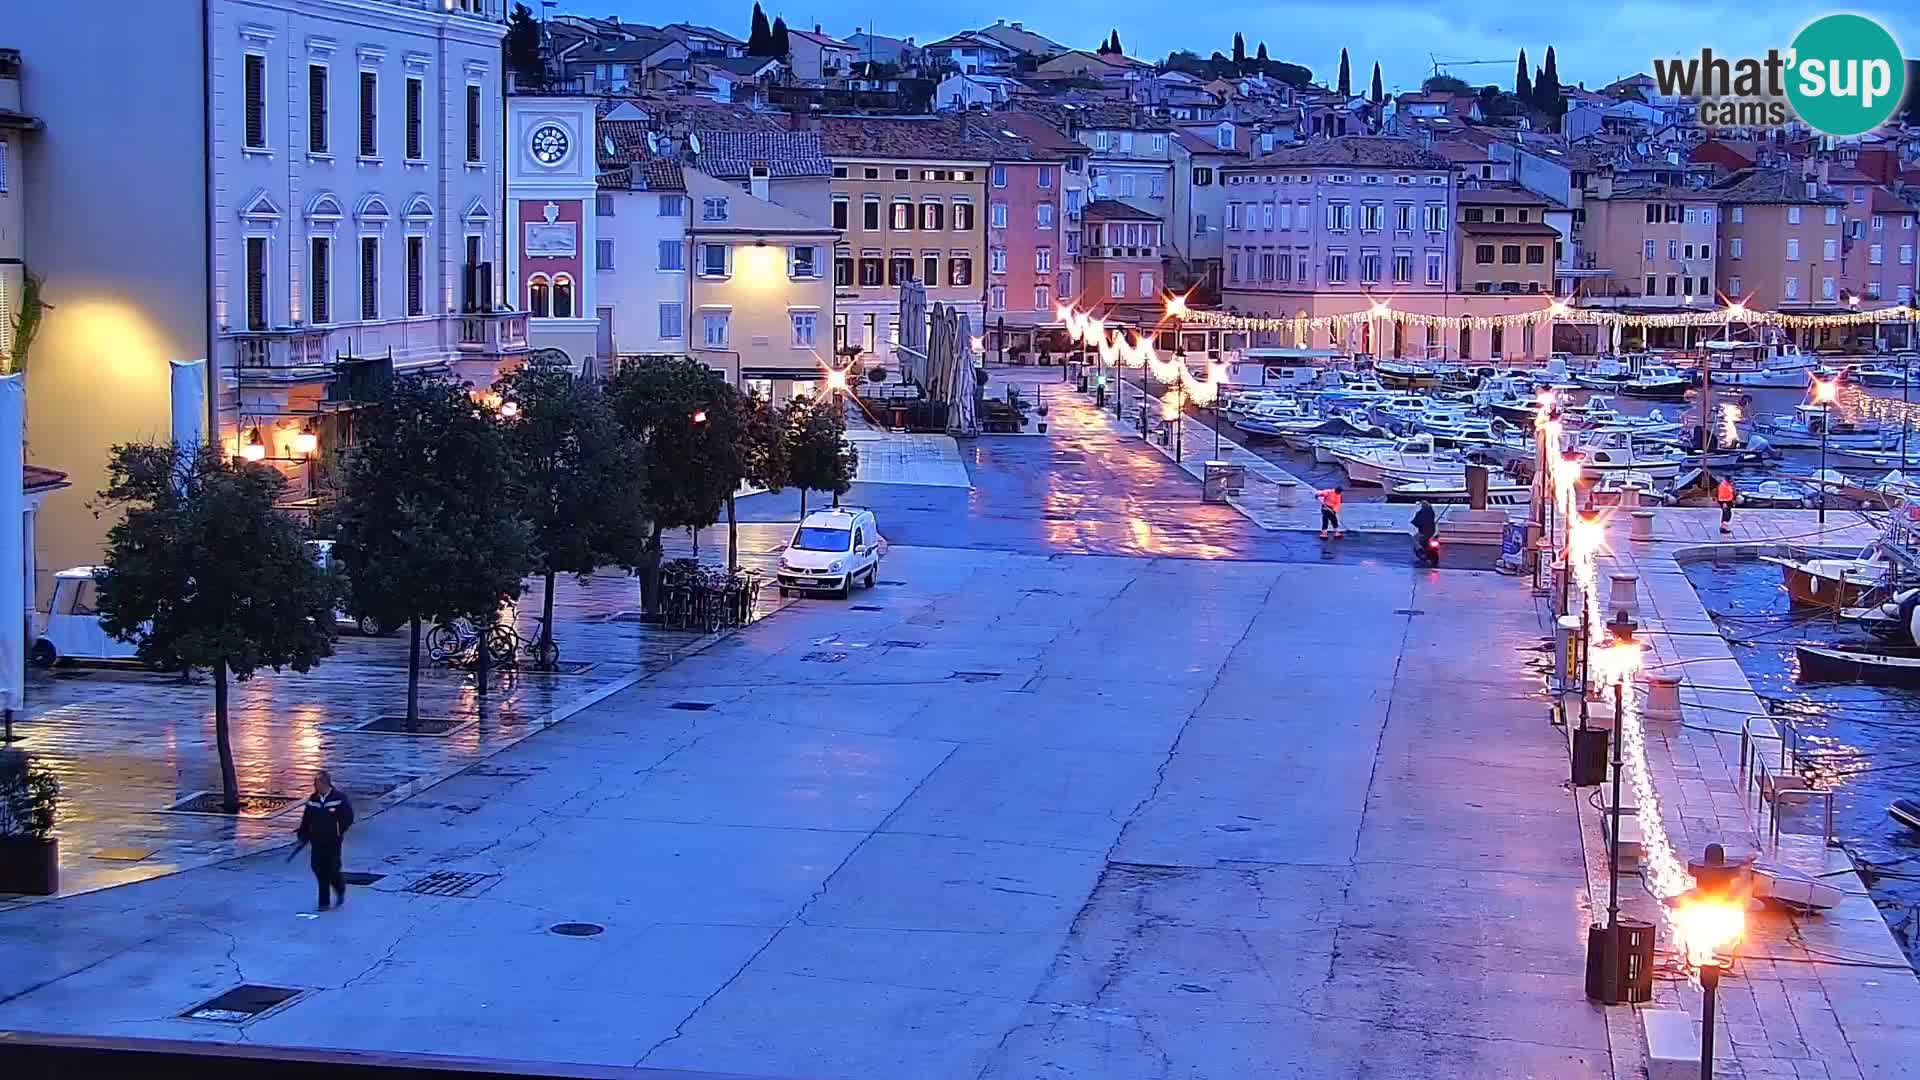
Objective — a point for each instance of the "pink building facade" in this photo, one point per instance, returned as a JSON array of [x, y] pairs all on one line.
[[1026, 245]]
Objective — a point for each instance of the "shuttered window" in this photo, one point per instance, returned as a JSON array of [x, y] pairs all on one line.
[[416, 271], [369, 114], [256, 283], [256, 101], [369, 277], [316, 108], [320, 281], [416, 94], [473, 123]]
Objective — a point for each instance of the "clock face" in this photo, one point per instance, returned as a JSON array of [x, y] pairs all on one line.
[[549, 144]]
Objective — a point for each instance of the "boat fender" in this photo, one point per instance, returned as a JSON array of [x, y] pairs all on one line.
[[1910, 616]]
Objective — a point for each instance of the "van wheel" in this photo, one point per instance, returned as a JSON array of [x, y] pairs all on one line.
[[371, 626], [43, 654], [873, 574], [783, 591]]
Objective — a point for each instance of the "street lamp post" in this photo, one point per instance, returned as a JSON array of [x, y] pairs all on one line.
[[1710, 918], [1824, 391]]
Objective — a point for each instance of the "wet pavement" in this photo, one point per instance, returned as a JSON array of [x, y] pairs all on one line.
[[127, 744]]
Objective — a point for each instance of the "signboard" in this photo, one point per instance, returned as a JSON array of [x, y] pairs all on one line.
[[556, 238], [1513, 541]]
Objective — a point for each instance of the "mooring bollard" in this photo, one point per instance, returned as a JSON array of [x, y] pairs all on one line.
[[1286, 492], [1625, 594], [1642, 525], [1663, 696]]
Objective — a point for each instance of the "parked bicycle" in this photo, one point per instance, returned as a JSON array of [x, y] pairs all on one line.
[[545, 653], [457, 644], [704, 598]]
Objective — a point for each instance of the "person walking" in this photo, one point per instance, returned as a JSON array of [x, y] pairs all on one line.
[[1330, 512], [323, 827], [1723, 494]]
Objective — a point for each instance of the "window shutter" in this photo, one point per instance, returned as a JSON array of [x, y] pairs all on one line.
[[316, 109], [369, 113], [256, 118]]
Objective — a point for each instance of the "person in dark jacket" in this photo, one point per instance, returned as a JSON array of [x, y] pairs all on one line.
[[323, 826]]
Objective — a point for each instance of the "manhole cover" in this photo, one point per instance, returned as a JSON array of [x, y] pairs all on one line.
[[824, 657], [425, 726], [242, 1003], [213, 803], [976, 676], [360, 877], [903, 644], [691, 706], [1409, 611], [453, 883], [1043, 592], [889, 581], [123, 854], [566, 667], [865, 607], [576, 929]]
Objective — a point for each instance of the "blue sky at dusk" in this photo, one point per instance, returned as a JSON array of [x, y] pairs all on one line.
[[1596, 43]]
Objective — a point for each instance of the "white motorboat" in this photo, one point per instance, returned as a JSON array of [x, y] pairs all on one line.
[[1877, 460], [1612, 489], [1810, 425], [1776, 364], [1410, 459], [1500, 492], [1327, 451], [1657, 382], [1604, 452], [1894, 374], [1606, 418]]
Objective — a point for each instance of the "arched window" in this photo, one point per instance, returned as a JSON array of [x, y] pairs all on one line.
[[1466, 343], [562, 297], [537, 293]]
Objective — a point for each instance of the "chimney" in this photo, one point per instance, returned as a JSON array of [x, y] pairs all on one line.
[[1603, 184], [1017, 26], [758, 178], [816, 28]]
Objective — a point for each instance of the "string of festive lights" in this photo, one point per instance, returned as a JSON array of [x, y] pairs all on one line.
[[1557, 310], [1116, 350]]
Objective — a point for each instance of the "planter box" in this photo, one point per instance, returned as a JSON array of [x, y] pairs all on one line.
[[31, 867]]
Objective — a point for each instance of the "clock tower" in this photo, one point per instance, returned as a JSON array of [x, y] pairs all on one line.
[[552, 174]]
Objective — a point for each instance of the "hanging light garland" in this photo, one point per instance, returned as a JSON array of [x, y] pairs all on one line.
[[1116, 350], [1301, 327]]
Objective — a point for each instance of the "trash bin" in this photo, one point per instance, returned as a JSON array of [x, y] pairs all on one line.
[[1220, 479]]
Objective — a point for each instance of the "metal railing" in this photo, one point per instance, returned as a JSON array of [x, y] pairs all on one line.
[[1764, 788]]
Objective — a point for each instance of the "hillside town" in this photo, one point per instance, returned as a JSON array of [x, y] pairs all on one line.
[[552, 545]]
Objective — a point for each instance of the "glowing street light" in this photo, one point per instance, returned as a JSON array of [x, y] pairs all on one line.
[[1824, 393], [254, 450], [306, 443], [509, 409], [1177, 307]]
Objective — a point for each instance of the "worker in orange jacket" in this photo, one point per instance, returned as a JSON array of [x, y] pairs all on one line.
[[1330, 512], [1723, 494]]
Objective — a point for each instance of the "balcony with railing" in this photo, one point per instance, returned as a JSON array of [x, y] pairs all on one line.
[[499, 332], [291, 354]]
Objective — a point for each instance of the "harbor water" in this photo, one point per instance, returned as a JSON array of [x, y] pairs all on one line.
[[1864, 741]]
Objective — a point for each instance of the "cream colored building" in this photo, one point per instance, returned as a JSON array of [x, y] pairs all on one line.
[[1780, 241], [760, 295]]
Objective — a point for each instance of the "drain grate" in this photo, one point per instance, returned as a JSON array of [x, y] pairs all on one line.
[[1043, 592], [576, 929], [691, 706], [360, 877], [903, 644], [976, 676], [889, 581], [453, 883], [424, 727], [123, 854], [212, 803], [245, 1002], [1409, 611], [818, 657], [865, 607]]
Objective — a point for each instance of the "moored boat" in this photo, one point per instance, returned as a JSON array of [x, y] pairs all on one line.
[[1832, 582], [1906, 812], [1824, 664]]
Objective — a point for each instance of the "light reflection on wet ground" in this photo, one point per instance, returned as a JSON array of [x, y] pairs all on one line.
[[1866, 738]]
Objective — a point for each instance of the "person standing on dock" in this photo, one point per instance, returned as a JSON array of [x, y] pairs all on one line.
[[1330, 513], [1723, 494]]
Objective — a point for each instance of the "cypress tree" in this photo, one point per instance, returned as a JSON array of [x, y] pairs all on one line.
[[760, 37], [1522, 86], [1239, 50], [1345, 86], [777, 43], [1377, 93]]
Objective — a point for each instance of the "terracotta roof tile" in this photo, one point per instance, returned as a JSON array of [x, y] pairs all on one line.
[[1115, 210], [1768, 186], [730, 155], [1356, 150], [962, 137]]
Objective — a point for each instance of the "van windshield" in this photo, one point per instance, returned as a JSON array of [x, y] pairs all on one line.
[[813, 539]]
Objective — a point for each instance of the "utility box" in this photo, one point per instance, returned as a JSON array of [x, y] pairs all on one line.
[[1221, 479]]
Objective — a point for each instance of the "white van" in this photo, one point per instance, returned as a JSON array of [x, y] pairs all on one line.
[[831, 552], [72, 629]]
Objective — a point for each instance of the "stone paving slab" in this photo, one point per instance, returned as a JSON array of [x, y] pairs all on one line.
[[897, 458]]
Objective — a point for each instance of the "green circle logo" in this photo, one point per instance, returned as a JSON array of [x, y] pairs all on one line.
[[1846, 75]]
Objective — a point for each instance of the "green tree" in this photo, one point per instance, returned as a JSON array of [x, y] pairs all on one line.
[[1345, 87], [779, 45], [1376, 93], [1522, 86], [203, 571], [1547, 94], [1446, 84], [582, 479], [523, 47], [428, 523], [761, 443], [760, 37], [1239, 51], [819, 458], [669, 406]]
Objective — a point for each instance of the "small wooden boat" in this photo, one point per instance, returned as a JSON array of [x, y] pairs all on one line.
[[1906, 812], [1822, 664], [1832, 583]]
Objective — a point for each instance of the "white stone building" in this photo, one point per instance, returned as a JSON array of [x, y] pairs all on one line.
[[641, 258], [288, 186]]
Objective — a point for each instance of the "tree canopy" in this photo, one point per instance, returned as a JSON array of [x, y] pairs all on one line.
[[760, 36], [523, 47], [202, 571], [1376, 93], [429, 524], [819, 458], [1345, 87], [1239, 48], [780, 46], [1445, 84]]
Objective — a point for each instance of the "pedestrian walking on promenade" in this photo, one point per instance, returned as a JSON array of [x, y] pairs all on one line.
[[323, 827], [1330, 512], [1723, 494]]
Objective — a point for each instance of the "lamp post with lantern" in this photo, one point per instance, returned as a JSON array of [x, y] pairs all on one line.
[[1710, 919], [1824, 393]]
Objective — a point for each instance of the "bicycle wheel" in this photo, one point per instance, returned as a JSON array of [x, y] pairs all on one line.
[[443, 641], [547, 655], [503, 645]]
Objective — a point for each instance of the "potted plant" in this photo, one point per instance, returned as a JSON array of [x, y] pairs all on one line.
[[1043, 418], [29, 854]]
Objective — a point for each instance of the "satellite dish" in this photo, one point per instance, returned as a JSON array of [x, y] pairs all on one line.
[[653, 144], [693, 142], [606, 142]]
